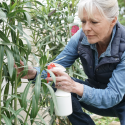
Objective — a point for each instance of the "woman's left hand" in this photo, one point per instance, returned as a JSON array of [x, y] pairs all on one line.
[[65, 83]]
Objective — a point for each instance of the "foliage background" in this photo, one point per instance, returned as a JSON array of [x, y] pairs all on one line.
[[122, 11], [48, 23]]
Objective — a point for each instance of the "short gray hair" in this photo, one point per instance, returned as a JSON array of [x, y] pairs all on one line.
[[107, 8]]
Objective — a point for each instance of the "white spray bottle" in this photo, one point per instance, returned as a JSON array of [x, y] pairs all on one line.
[[63, 98]]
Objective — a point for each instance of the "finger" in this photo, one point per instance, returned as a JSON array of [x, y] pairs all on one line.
[[62, 88], [58, 71], [15, 66], [57, 78], [22, 63]]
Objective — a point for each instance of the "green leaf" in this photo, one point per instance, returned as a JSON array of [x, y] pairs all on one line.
[[51, 107], [25, 123], [82, 76], [24, 72], [2, 14], [36, 58], [1, 55], [28, 4], [44, 86], [12, 111], [53, 95], [34, 110], [28, 17], [37, 88], [42, 119], [28, 45], [10, 61], [71, 71], [8, 101], [47, 54], [24, 95], [38, 3], [70, 19], [21, 122], [13, 14], [17, 113], [3, 37], [21, 31], [73, 4], [16, 56], [20, 26], [13, 35], [7, 121], [6, 6], [43, 60], [52, 75], [8, 114], [6, 91], [13, 6]]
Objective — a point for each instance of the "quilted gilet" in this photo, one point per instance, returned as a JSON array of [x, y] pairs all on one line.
[[99, 76]]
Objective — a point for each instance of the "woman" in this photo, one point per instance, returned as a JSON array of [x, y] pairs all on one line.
[[100, 44]]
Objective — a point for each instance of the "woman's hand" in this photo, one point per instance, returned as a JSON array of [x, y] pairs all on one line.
[[31, 71], [65, 83]]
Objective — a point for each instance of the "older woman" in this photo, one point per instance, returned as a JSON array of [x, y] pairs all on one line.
[[100, 44]]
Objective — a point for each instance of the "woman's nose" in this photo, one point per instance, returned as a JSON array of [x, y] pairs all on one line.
[[86, 26]]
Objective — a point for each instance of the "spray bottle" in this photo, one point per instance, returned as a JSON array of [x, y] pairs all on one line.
[[63, 98]]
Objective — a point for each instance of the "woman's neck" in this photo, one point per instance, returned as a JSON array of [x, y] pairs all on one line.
[[102, 45]]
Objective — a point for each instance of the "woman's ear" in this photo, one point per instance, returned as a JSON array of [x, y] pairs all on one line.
[[113, 22]]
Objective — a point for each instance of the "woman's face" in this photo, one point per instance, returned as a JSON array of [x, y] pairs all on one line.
[[97, 30]]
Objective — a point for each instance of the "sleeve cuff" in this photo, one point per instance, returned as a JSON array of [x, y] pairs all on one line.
[[87, 95], [43, 74]]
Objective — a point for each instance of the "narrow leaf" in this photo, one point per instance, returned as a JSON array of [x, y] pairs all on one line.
[[3, 37], [17, 113], [34, 110], [7, 121], [51, 107], [6, 6], [28, 45], [42, 119], [28, 17], [53, 95], [13, 35], [2, 14], [21, 31], [8, 101], [6, 91], [12, 14], [24, 95], [20, 26], [10, 61], [39, 3], [35, 57], [13, 6], [37, 88]]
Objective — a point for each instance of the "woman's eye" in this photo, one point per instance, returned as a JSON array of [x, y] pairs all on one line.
[[94, 22], [83, 21]]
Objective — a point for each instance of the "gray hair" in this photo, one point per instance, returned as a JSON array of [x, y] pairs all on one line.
[[107, 8]]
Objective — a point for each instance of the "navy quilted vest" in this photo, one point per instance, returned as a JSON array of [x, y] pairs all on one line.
[[99, 76]]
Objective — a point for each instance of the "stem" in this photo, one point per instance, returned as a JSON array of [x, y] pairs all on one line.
[[28, 111], [0, 91], [12, 94], [15, 100]]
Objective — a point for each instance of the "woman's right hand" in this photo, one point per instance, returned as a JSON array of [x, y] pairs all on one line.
[[31, 71]]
